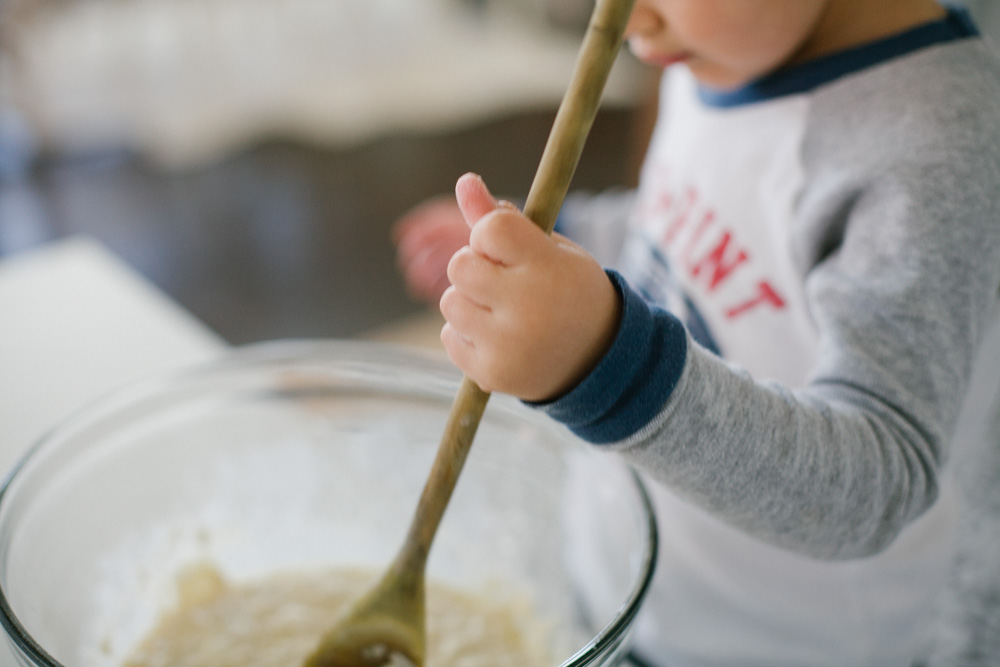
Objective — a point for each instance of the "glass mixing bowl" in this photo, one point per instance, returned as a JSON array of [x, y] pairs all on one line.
[[295, 455]]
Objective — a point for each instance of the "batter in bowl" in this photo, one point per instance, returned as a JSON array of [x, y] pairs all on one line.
[[277, 621]]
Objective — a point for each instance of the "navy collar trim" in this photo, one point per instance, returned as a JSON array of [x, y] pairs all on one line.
[[958, 24]]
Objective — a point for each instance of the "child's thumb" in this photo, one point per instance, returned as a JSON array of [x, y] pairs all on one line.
[[474, 198]]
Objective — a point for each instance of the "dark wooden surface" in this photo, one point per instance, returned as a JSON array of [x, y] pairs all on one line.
[[285, 240]]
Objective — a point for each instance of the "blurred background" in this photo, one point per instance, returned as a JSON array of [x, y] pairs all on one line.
[[250, 156]]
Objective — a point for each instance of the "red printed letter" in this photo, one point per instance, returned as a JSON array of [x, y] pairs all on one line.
[[765, 295], [716, 260]]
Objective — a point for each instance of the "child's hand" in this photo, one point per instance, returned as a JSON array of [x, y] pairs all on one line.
[[426, 238], [528, 314]]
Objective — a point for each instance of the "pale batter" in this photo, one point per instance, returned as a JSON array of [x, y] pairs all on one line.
[[278, 621]]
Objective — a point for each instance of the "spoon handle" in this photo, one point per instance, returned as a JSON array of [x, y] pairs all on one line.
[[463, 420], [573, 121], [576, 114]]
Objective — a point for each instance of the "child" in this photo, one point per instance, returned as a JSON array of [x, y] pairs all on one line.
[[809, 271]]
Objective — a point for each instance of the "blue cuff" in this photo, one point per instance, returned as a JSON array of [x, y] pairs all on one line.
[[635, 378]]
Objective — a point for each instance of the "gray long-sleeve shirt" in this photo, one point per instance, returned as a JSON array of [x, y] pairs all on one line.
[[811, 270]]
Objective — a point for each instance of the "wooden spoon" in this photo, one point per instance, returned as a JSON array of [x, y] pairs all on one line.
[[386, 627]]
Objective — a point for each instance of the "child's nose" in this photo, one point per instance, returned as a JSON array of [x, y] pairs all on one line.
[[643, 22]]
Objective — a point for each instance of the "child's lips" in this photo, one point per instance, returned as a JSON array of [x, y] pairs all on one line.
[[657, 55], [666, 60], [648, 54]]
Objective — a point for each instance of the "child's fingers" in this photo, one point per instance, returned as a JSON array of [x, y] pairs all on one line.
[[474, 198], [475, 276], [500, 230], [463, 353], [508, 238], [465, 316], [456, 342], [463, 334]]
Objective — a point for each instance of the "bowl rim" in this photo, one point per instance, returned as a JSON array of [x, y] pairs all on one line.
[[304, 349]]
